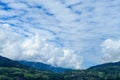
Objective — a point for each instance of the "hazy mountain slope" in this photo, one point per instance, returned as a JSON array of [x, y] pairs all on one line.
[[43, 66]]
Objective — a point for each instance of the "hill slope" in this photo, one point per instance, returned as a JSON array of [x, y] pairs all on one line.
[[43, 66], [108, 71], [106, 65], [12, 70], [5, 62]]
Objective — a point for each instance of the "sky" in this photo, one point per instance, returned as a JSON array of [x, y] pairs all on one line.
[[64, 33]]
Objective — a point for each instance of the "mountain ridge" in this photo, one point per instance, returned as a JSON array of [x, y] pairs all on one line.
[[12, 70], [42, 66], [5, 62], [106, 65]]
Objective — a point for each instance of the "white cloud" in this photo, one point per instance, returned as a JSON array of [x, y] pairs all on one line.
[[111, 50], [72, 2], [34, 48], [17, 6], [9, 42]]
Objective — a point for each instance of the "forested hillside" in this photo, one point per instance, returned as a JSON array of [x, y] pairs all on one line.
[[12, 70]]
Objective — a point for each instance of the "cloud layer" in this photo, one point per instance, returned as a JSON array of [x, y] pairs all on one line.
[[77, 27]]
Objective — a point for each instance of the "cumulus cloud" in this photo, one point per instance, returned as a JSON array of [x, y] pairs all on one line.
[[111, 50], [34, 48]]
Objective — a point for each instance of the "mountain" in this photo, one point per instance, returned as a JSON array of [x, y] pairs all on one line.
[[5, 62], [107, 71], [106, 65], [42, 66], [13, 70]]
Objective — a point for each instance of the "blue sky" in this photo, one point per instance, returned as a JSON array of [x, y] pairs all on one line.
[[65, 33]]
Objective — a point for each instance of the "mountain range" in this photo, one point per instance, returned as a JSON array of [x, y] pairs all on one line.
[[23, 70]]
